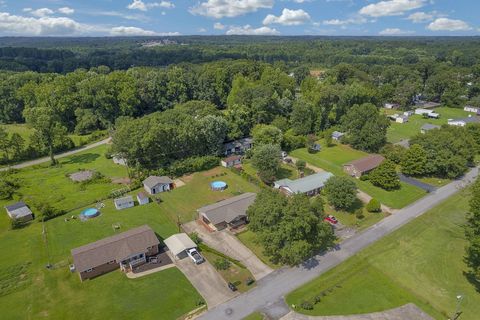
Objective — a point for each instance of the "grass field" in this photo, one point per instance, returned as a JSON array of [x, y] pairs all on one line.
[[249, 239], [400, 131], [51, 184], [421, 262], [182, 203], [254, 316], [332, 159]]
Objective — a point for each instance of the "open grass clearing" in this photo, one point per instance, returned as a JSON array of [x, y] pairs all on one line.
[[400, 131], [182, 203], [250, 240], [421, 262], [333, 158]]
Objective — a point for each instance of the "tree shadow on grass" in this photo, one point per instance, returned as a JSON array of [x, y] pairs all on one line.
[[473, 281], [358, 204], [83, 158]]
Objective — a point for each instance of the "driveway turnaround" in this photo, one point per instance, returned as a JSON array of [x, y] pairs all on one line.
[[269, 293], [226, 243], [207, 281], [408, 311]]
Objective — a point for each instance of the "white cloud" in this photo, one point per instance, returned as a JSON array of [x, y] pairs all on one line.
[[218, 26], [338, 22], [135, 31], [42, 12], [248, 30], [394, 32], [288, 18], [445, 24], [419, 17], [391, 7], [144, 6], [229, 8], [202, 30], [44, 26], [66, 10]]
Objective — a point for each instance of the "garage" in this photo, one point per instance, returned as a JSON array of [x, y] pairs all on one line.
[[178, 244]]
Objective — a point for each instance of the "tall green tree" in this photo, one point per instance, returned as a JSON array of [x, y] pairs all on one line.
[[472, 231], [385, 176], [266, 134], [266, 159], [341, 192], [415, 161]]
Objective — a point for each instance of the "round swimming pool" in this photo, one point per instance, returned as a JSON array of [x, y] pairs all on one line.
[[90, 213], [218, 185]]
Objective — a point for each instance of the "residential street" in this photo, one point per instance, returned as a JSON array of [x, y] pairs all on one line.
[[268, 295], [58, 156]]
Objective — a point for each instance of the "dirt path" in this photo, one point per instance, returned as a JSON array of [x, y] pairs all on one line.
[[408, 311]]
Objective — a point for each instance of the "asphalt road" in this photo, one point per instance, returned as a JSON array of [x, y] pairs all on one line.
[[268, 295], [58, 156]]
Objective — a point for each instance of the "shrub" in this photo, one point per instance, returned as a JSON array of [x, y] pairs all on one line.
[[221, 264], [47, 211], [373, 206], [16, 224], [317, 298], [301, 164], [306, 305], [249, 281], [193, 164], [196, 238], [359, 213]]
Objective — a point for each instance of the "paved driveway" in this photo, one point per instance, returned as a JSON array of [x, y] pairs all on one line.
[[414, 182], [207, 281], [228, 244]]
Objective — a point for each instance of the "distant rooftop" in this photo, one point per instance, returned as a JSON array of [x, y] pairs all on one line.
[[305, 184]]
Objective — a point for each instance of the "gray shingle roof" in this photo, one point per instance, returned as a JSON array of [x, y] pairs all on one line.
[[18, 210], [123, 200], [117, 247], [228, 210], [429, 126], [305, 184], [152, 181]]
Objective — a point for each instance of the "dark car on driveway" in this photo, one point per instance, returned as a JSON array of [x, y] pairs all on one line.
[[232, 287]]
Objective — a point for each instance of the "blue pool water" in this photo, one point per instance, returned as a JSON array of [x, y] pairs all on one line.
[[90, 213], [218, 185]]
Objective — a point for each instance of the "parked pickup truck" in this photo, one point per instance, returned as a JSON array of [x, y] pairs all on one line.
[[196, 257]]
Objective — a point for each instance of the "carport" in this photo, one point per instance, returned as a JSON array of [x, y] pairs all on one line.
[[178, 244]]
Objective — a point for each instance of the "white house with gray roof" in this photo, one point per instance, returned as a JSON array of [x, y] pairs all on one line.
[[428, 126], [124, 202], [19, 211], [227, 213], [309, 185], [155, 184]]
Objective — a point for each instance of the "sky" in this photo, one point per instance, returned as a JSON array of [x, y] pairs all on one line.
[[247, 17]]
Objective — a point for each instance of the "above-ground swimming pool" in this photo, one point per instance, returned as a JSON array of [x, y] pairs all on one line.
[[90, 213], [218, 185]]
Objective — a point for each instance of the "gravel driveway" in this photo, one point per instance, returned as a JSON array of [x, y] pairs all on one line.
[[228, 244]]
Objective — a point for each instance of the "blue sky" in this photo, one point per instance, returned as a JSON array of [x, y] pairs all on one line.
[[261, 17]]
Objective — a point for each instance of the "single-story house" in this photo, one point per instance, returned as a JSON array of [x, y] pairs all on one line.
[[391, 105], [309, 185], [316, 147], [19, 211], [471, 109], [125, 251], [337, 135], [178, 244], [230, 213], [427, 127], [124, 202], [359, 167], [231, 161], [408, 113], [155, 184], [142, 198], [462, 122], [401, 119], [429, 113], [238, 146]]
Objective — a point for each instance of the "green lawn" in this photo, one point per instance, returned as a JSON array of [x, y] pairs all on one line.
[[182, 203], [421, 262], [59, 294], [254, 316], [51, 184], [249, 239], [286, 171], [333, 158], [401, 131], [350, 219]]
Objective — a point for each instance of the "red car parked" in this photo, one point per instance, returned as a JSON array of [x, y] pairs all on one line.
[[331, 219]]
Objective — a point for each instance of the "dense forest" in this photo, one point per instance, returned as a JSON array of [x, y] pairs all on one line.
[[184, 98]]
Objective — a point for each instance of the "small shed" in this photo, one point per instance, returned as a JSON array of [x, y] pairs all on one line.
[[316, 147], [155, 184], [124, 202], [19, 211], [178, 244], [142, 198], [231, 161], [337, 135], [401, 119]]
